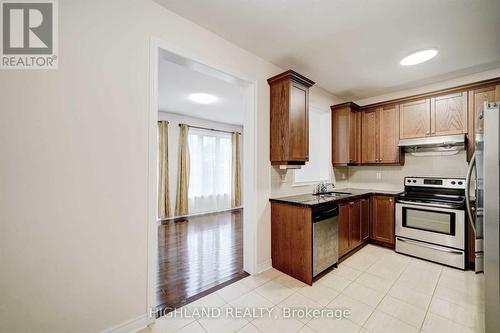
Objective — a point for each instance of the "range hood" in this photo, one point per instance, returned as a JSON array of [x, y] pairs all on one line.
[[434, 144]]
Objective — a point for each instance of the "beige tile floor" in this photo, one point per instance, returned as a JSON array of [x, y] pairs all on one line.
[[385, 291]]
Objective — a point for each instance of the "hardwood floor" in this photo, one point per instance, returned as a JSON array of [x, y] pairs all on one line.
[[197, 256]]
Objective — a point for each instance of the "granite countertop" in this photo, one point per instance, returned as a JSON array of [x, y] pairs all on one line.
[[339, 195]]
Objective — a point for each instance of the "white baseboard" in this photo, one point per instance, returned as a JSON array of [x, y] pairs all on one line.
[[264, 266], [131, 326]]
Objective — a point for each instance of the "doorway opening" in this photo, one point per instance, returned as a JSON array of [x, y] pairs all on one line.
[[201, 179]]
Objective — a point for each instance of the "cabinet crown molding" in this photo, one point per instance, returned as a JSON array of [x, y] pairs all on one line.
[[291, 75], [435, 93], [353, 106]]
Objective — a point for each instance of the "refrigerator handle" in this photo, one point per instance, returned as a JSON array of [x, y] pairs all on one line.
[[467, 191]]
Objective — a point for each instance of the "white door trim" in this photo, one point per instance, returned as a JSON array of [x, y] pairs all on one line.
[[249, 185]]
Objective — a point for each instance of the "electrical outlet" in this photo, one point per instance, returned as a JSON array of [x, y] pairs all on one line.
[[379, 175]]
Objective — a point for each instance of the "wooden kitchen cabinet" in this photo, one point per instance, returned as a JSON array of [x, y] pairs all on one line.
[[382, 220], [289, 118], [414, 119], [365, 219], [346, 134], [369, 136], [438, 115], [476, 99], [389, 151], [380, 136], [291, 241], [354, 223], [449, 114], [343, 229]]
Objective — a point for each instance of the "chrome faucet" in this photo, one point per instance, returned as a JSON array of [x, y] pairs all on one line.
[[322, 187]]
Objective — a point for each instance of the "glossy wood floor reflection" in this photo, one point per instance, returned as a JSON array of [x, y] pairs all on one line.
[[198, 255]]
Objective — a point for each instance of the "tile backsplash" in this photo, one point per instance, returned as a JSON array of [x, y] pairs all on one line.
[[377, 177], [391, 177]]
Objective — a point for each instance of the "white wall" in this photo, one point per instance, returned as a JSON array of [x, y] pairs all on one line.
[[173, 144], [74, 170]]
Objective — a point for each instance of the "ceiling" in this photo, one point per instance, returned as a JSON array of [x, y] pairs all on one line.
[[352, 48], [176, 82]]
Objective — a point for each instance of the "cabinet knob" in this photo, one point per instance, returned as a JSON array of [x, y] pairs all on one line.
[[433, 132], [427, 133]]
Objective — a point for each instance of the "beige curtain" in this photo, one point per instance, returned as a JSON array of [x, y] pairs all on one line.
[[181, 203], [163, 196], [236, 172]]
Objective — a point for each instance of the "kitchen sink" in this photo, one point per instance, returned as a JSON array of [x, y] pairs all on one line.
[[332, 193]]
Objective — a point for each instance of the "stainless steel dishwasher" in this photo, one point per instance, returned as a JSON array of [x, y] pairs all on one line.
[[325, 237]]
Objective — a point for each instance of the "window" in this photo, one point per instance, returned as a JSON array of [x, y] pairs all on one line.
[[210, 156], [319, 167]]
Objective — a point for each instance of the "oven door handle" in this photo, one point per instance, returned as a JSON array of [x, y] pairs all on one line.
[[439, 248], [426, 204]]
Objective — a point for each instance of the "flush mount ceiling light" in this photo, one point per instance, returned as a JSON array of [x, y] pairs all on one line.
[[418, 57], [202, 98]]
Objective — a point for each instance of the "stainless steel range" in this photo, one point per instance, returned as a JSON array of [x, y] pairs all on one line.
[[430, 220]]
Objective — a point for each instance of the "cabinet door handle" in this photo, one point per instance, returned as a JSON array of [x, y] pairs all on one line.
[[427, 133]]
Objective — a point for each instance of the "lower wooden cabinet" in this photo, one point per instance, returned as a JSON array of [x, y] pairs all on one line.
[[354, 220], [291, 241], [343, 229], [382, 219], [365, 219]]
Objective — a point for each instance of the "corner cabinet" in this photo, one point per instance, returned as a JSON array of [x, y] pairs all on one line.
[[476, 99], [289, 119], [346, 134], [380, 136], [382, 220]]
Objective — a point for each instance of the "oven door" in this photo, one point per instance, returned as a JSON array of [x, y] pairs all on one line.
[[432, 224]]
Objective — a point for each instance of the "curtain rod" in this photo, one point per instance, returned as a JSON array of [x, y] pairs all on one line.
[[210, 129]]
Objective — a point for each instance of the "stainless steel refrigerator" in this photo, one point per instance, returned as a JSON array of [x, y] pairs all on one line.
[[483, 210]]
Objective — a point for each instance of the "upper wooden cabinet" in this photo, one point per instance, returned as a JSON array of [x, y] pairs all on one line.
[[438, 115], [476, 98], [415, 121], [289, 124], [369, 136], [346, 134], [389, 151], [380, 136], [449, 114]]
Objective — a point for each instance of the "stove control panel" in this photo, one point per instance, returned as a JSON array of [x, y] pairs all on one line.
[[455, 183]]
